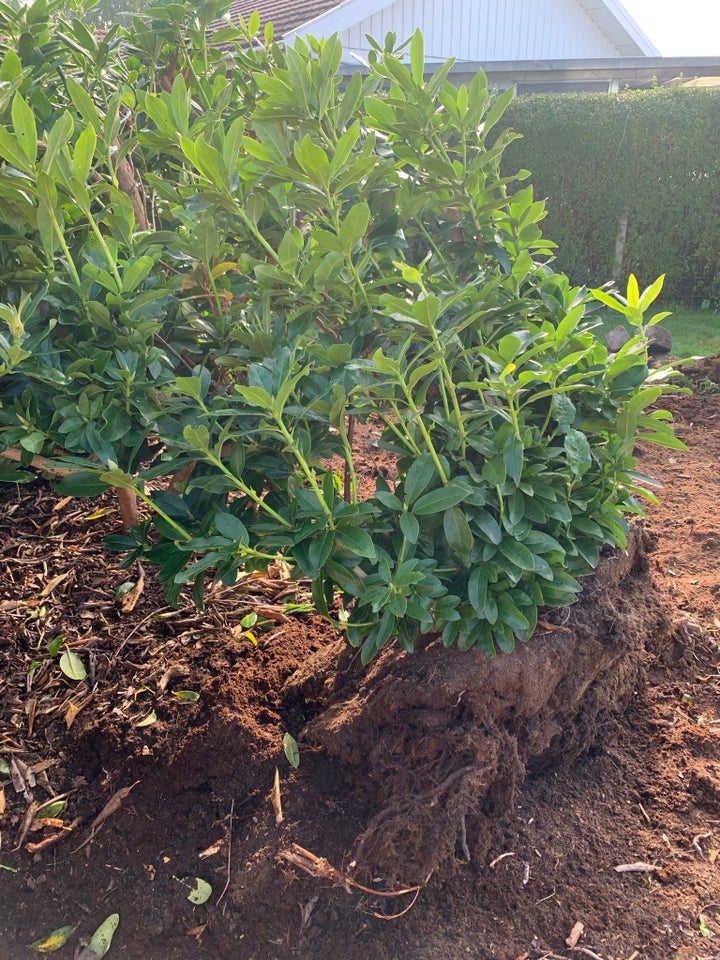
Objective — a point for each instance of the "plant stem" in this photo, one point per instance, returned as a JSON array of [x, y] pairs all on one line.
[[258, 501], [306, 469], [410, 400]]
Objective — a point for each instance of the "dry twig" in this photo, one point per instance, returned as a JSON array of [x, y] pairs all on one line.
[[229, 853], [112, 806], [319, 867]]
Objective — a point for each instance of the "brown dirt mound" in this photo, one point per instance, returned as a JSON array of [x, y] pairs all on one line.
[[609, 755], [443, 738]]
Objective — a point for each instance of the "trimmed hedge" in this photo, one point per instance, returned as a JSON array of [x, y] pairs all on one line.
[[652, 157]]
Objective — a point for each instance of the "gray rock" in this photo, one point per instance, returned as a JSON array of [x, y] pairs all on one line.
[[616, 338], [660, 340]]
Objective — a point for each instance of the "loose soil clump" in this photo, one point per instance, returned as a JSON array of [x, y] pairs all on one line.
[[506, 790]]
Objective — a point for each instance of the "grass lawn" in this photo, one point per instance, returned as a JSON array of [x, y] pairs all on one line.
[[695, 333]]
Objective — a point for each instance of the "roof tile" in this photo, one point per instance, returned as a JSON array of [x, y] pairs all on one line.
[[286, 15]]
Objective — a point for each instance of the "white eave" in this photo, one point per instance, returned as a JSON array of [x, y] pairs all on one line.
[[615, 22], [341, 17]]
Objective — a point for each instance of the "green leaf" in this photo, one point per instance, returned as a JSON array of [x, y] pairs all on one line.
[[136, 273], [72, 666], [24, 127], [53, 808], [418, 477], [354, 226], [84, 153], [478, 588], [508, 613], [228, 525], [314, 162], [518, 554], [513, 458], [439, 500], [84, 104], [187, 696], [256, 397], [148, 720], [488, 526], [495, 471], [189, 387], [11, 66], [291, 750], [198, 437], [409, 526], [12, 152], [82, 484], [458, 534], [200, 890], [417, 57], [357, 541], [578, 452]]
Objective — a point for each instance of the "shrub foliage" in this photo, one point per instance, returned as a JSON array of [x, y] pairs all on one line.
[[651, 158], [216, 261]]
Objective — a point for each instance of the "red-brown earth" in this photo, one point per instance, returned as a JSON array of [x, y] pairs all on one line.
[[507, 791]]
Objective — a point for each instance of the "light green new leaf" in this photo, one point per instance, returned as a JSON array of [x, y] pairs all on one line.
[[291, 750], [72, 666], [200, 892], [256, 397], [354, 226], [189, 387], [417, 57], [198, 437], [84, 104], [84, 153], [12, 152], [24, 126], [102, 938]]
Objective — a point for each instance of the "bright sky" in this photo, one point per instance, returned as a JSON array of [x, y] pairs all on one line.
[[679, 28]]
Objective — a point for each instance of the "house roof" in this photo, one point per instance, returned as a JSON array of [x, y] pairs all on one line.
[[286, 15], [293, 18]]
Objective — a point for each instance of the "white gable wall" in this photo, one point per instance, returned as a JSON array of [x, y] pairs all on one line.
[[483, 30]]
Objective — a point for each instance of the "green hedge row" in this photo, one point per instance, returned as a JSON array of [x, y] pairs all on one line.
[[651, 158]]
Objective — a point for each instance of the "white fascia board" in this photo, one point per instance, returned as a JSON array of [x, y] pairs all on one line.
[[341, 17]]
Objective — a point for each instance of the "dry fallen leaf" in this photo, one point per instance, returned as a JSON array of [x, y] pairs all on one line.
[[23, 779], [275, 798], [51, 584], [575, 934], [638, 867], [130, 599], [211, 850], [73, 709]]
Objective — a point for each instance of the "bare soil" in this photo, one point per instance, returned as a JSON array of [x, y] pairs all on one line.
[[502, 795]]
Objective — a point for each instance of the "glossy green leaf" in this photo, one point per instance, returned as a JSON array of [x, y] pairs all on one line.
[[357, 541], [418, 478], [578, 452], [458, 534], [440, 499]]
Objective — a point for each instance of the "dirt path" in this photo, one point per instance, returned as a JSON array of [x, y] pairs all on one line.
[[648, 792]]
